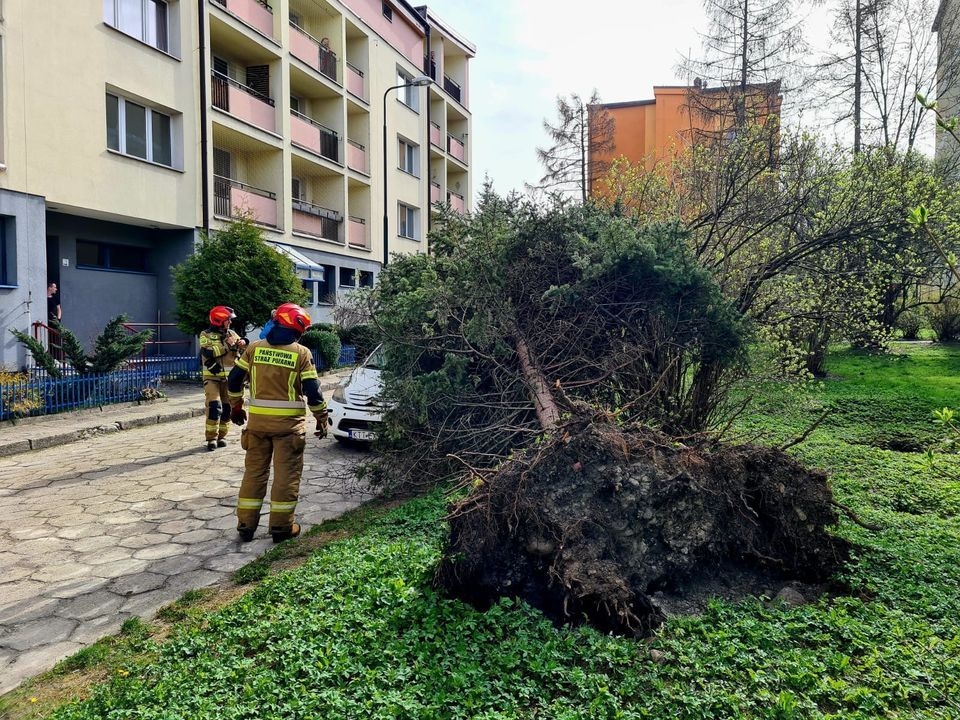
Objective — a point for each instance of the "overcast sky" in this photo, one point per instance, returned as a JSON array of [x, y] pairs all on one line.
[[531, 51]]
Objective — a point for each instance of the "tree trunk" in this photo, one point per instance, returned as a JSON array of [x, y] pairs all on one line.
[[548, 412]]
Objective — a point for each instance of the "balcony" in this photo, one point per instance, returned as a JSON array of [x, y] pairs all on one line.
[[457, 202], [356, 85], [452, 87], [234, 199], [307, 133], [307, 48], [357, 235], [317, 221], [435, 135], [255, 13], [456, 148], [243, 102], [357, 157], [435, 193]]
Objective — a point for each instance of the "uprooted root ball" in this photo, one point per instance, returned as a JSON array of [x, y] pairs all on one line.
[[592, 526]]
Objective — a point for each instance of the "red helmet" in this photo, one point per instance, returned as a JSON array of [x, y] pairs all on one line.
[[293, 317], [220, 316]]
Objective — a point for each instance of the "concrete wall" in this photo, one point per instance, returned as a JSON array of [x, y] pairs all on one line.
[[24, 300]]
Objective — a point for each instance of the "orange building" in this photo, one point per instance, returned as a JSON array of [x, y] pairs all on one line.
[[650, 131]]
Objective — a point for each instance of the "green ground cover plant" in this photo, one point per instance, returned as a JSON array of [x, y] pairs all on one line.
[[357, 631]]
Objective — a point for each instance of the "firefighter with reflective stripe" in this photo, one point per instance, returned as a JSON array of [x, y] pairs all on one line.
[[219, 348], [281, 375]]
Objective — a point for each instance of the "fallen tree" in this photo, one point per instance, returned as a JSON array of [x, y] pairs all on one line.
[[565, 364]]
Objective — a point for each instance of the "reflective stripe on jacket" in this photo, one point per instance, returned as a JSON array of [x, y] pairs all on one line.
[[276, 375]]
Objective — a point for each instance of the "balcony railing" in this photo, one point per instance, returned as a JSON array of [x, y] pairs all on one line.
[[315, 220], [255, 13], [452, 87], [308, 133], [457, 202], [456, 148], [242, 102], [306, 47], [355, 82], [435, 193], [232, 198], [357, 157], [357, 235], [435, 134]]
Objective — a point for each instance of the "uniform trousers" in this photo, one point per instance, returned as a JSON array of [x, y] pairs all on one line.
[[285, 449], [218, 409]]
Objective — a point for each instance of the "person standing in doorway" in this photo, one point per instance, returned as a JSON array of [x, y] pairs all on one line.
[[54, 317], [281, 375]]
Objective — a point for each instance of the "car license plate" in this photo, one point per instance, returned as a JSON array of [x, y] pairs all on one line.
[[363, 435]]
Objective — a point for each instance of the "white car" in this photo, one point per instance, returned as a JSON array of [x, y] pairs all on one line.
[[355, 408]]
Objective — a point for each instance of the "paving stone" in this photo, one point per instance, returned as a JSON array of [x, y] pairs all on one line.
[[146, 605], [112, 555], [25, 610], [8, 575], [64, 571], [119, 568], [137, 542], [20, 590], [96, 628], [37, 633], [176, 564], [215, 512], [33, 532], [178, 527], [156, 552], [121, 518], [226, 563], [79, 532], [195, 537], [137, 584], [35, 661], [74, 588], [91, 605], [92, 544]]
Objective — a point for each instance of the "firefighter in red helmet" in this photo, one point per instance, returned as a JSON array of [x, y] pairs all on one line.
[[219, 348], [281, 375]]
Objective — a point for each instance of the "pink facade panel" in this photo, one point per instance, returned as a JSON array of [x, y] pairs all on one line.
[[457, 203], [255, 111], [263, 209], [401, 34], [355, 83], [308, 223], [357, 234], [356, 157], [435, 194], [456, 149], [304, 134], [303, 47], [435, 135], [253, 14]]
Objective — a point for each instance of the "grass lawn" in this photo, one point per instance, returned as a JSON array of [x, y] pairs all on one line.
[[355, 630]]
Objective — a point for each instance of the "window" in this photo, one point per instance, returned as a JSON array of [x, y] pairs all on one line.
[[387, 11], [326, 293], [296, 105], [409, 223], [8, 252], [409, 158], [348, 277], [297, 189], [366, 278], [107, 256], [146, 20], [409, 95], [139, 131]]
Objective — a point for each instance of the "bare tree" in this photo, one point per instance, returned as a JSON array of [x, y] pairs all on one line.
[[581, 138], [883, 53]]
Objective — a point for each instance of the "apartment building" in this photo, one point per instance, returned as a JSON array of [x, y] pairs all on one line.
[[650, 131], [129, 127], [947, 27]]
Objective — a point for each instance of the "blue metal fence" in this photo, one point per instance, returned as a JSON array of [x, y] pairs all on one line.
[[39, 394]]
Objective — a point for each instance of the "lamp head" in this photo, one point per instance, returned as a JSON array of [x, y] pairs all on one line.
[[421, 80]]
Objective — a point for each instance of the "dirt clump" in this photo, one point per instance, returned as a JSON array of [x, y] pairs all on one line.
[[621, 528]]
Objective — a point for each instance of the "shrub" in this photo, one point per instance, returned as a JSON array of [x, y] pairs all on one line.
[[17, 398], [909, 324], [363, 337], [326, 343], [945, 319]]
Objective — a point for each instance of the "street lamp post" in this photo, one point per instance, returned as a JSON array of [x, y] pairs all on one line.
[[419, 81]]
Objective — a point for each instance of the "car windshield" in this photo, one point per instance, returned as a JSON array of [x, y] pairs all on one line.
[[375, 359]]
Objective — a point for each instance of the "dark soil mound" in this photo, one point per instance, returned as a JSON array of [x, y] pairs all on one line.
[[595, 527]]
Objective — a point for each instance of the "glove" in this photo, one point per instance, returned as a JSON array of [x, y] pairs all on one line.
[[321, 417], [240, 346], [238, 416]]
